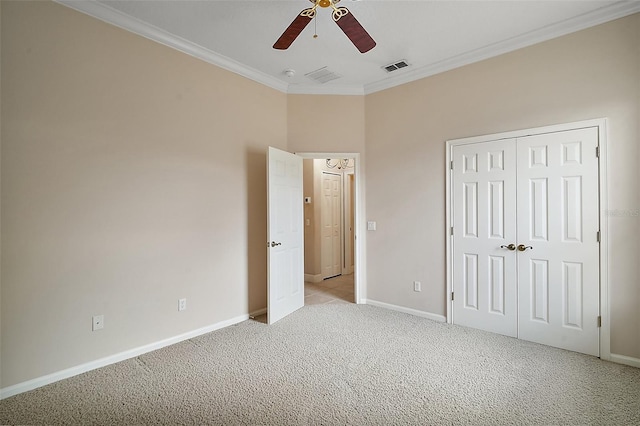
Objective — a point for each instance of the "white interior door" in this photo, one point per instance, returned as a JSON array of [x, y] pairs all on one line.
[[484, 207], [558, 275], [331, 224], [285, 246]]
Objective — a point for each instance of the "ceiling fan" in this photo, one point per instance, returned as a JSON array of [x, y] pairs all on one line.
[[341, 15]]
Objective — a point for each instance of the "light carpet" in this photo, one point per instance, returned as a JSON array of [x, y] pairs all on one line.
[[341, 365]]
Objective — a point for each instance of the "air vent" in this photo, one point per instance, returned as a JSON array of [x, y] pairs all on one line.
[[396, 66], [322, 75]]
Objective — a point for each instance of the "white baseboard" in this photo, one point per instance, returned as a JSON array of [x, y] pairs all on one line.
[[423, 314], [620, 359], [626, 360], [312, 278], [132, 353]]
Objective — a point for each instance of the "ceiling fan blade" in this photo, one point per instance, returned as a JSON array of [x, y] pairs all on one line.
[[293, 31], [352, 28]]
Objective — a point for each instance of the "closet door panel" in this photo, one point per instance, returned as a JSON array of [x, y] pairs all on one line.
[[558, 272]]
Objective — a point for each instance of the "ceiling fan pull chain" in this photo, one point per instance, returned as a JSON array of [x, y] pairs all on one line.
[[315, 31]]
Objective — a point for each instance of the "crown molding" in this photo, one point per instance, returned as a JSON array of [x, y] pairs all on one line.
[[114, 17], [596, 17]]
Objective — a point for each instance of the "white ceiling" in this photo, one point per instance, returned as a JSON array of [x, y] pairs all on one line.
[[432, 36]]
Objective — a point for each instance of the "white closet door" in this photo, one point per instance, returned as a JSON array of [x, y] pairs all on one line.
[[331, 224], [484, 206], [558, 218]]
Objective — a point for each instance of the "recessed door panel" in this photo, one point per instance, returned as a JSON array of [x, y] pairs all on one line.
[[538, 209], [496, 209], [470, 163], [497, 283], [471, 209], [537, 157], [572, 209], [471, 281], [496, 161], [572, 153], [572, 294], [539, 287]]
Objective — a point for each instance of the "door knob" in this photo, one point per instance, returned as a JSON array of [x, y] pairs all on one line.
[[522, 247], [510, 247], [273, 244]]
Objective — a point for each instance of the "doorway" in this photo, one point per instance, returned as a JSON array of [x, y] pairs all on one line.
[[285, 230], [330, 222]]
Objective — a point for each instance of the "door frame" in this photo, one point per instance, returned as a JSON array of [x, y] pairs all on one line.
[[359, 235], [347, 205], [602, 125]]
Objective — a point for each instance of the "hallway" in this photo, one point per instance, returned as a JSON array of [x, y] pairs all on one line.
[[333, 290]]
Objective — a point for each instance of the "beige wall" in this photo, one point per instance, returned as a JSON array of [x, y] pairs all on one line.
[[325, 123], [132, 175], [590, 74], [311, 255]]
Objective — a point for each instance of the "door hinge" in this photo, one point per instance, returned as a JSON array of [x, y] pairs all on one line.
[[599, 321], [598, 236], [597, 152], [451, 231], [451, 165], [452, 296]]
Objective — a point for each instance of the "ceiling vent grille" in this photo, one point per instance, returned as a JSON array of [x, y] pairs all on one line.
[[396, 66], [322, 75]]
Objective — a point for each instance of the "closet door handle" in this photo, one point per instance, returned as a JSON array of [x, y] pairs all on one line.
[[511, 247], [522, 247]]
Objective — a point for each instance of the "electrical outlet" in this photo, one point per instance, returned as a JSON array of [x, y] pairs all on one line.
[[417, 286], [98, 322], [182, 304]]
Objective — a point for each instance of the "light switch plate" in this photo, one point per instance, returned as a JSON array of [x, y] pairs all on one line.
[[371, 226]]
